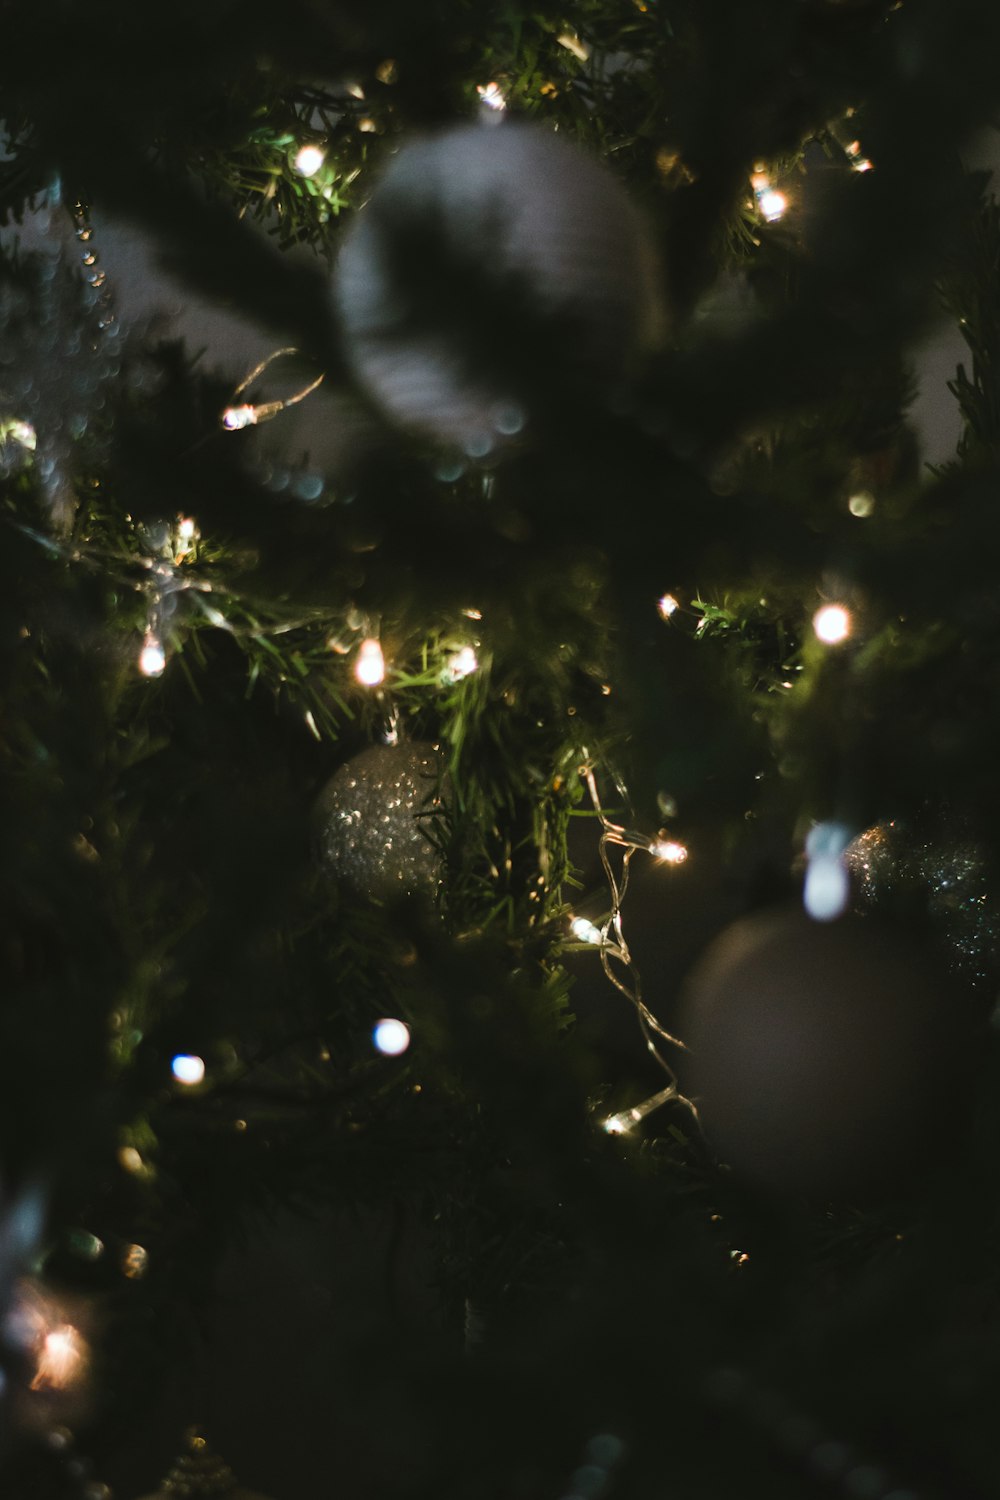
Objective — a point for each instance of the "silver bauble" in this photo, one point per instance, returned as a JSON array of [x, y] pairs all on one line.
[[373, 817], [466, 224], [814, 1048], [944, 874]]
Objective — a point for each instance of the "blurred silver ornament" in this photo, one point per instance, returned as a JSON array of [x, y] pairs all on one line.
[[373, 821], [486, 254], [813, 1048], [948, 878]]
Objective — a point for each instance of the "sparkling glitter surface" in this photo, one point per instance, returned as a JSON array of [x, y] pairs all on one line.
[[958, 896], [372, 818]]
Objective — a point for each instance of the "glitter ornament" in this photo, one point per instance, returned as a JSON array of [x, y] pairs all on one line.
[[373, 820], [490, 260], [814, 1047], [199, 1473], [940, 878]]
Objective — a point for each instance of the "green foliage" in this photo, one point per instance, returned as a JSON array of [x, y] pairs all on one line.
[[161, 891]]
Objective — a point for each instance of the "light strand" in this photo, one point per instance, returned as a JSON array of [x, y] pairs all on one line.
[[615, 950], [238, 414]]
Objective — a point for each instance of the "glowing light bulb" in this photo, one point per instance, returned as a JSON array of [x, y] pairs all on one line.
[[188, 1069], [832, 624], [187, 536], [584, 931], [670, 851], [462, 663], [391, 1037], [617, 1124], [308, 160], [152, 657], [61, 1359], [369, 668], [236, 417], [772, 204], [491, 95], [862, 504], [667, 606]]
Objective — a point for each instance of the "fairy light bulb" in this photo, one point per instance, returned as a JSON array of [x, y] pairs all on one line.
[[832, 624], [188, 1069], [491, 95], [308, 160], [61, 1359], [669, 851], [584, 931], [772, 204], [369, 669], [666, 606], [152, 657], [391, 1037], [462, 664], [187, 538], [234, 418]]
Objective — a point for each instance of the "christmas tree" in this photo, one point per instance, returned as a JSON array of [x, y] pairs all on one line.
[[501, 904]]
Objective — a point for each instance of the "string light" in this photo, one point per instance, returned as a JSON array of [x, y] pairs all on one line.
[[771, 203], [585, 931], [669, 851], [832, 624], [37, 1322], [615, 950], [391, 1037], [369, 669], [61, 1360], [666, 606], [235, 418], [152, 657], [187, 539], [462, 664], [492, 96], [862, 504], [239, 415], [188, 1069], [626, 1120], [309, 159]]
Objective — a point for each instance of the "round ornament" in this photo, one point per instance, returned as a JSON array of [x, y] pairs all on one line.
[[200, 1473], [373, 821], [489, 259], [814, 1048]]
